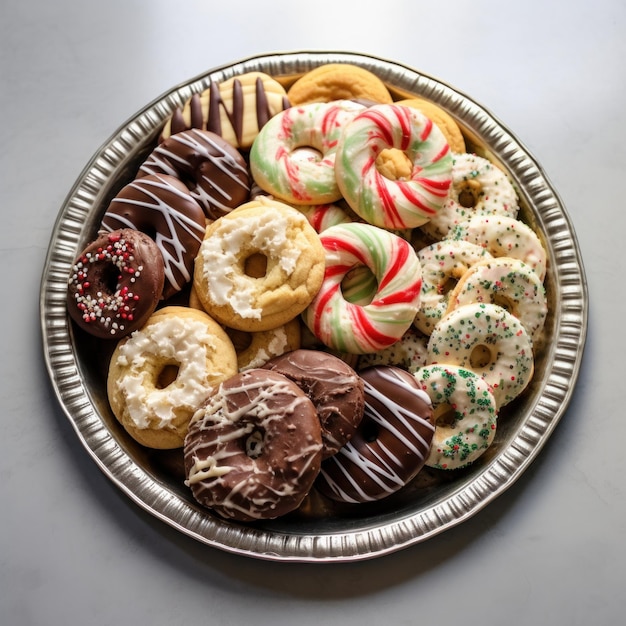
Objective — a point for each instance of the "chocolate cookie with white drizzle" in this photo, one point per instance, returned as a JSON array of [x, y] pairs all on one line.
[[161, 207], [391, 443], [254, 449]]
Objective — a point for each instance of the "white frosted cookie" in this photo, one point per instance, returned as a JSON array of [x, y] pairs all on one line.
[[488, 340], [443, 264], [507, 282], [478, 188]]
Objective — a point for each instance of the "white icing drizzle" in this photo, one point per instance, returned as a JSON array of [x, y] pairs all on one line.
[[161, 159], [254, 488], [174, 219], [386, 471], [276, 346], [222, 251], [179, 341]]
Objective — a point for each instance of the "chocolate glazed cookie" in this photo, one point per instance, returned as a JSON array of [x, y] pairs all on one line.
[[391, 443], [254, 449], [161, 207], [214, 171], [334, 388]]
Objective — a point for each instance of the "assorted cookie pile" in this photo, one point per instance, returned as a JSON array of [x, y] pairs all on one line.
[[312, 286]]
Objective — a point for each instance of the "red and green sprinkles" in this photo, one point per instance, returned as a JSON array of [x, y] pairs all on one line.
[[98, 306], [471, 415], [488, 340]]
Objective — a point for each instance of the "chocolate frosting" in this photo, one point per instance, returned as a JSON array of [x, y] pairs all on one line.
[[334, 388], [162, 207], [115, 284], [254, 449], [214, 171], [391, 443]]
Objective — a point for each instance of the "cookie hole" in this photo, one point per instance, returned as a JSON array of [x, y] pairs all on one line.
[[150, 231], [469, 193], [110, 279], [240, 338], [306, 153], [444, 415], [480, 357], [167, 375], [504, 302], [359, 286], [255, 444], [394, 164], [369, 430], [255, 265], [447, 286]]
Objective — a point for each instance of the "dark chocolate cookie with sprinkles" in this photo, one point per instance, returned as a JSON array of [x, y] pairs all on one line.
[[115, 283]]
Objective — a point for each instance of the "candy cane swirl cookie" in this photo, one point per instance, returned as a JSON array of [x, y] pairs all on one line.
[[443, 264], [465, 415], [162, 207], [394, 204], [162, 373], [293, 275], [442, 118], [390, 445], [488, 340], [355, 328], [293, 157], [214, 171], [507, 282], [478, 188], [254, 449], [323, 216], [503, 236]]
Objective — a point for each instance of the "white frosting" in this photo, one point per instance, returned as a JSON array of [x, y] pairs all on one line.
[[235, 238], [277, 345], [178, 341]]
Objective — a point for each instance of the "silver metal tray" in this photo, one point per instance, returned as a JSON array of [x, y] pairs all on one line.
[[318, 531]]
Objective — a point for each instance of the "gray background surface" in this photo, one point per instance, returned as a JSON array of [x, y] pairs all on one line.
[[75, 550]]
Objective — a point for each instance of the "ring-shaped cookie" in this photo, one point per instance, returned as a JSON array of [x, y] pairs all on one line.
[[360, 328], [254, 449], [443, 264], [478, 188], [254, 350], [338, 81], [488, 340], [335, 389], [393, 204], [115, 284], [465, 415], [508, 282], [390, 445], [234, 109], [503, 236], [442, 118], [293, 156], [161, 206], [293, 274], [214, 171], [162, 373]]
